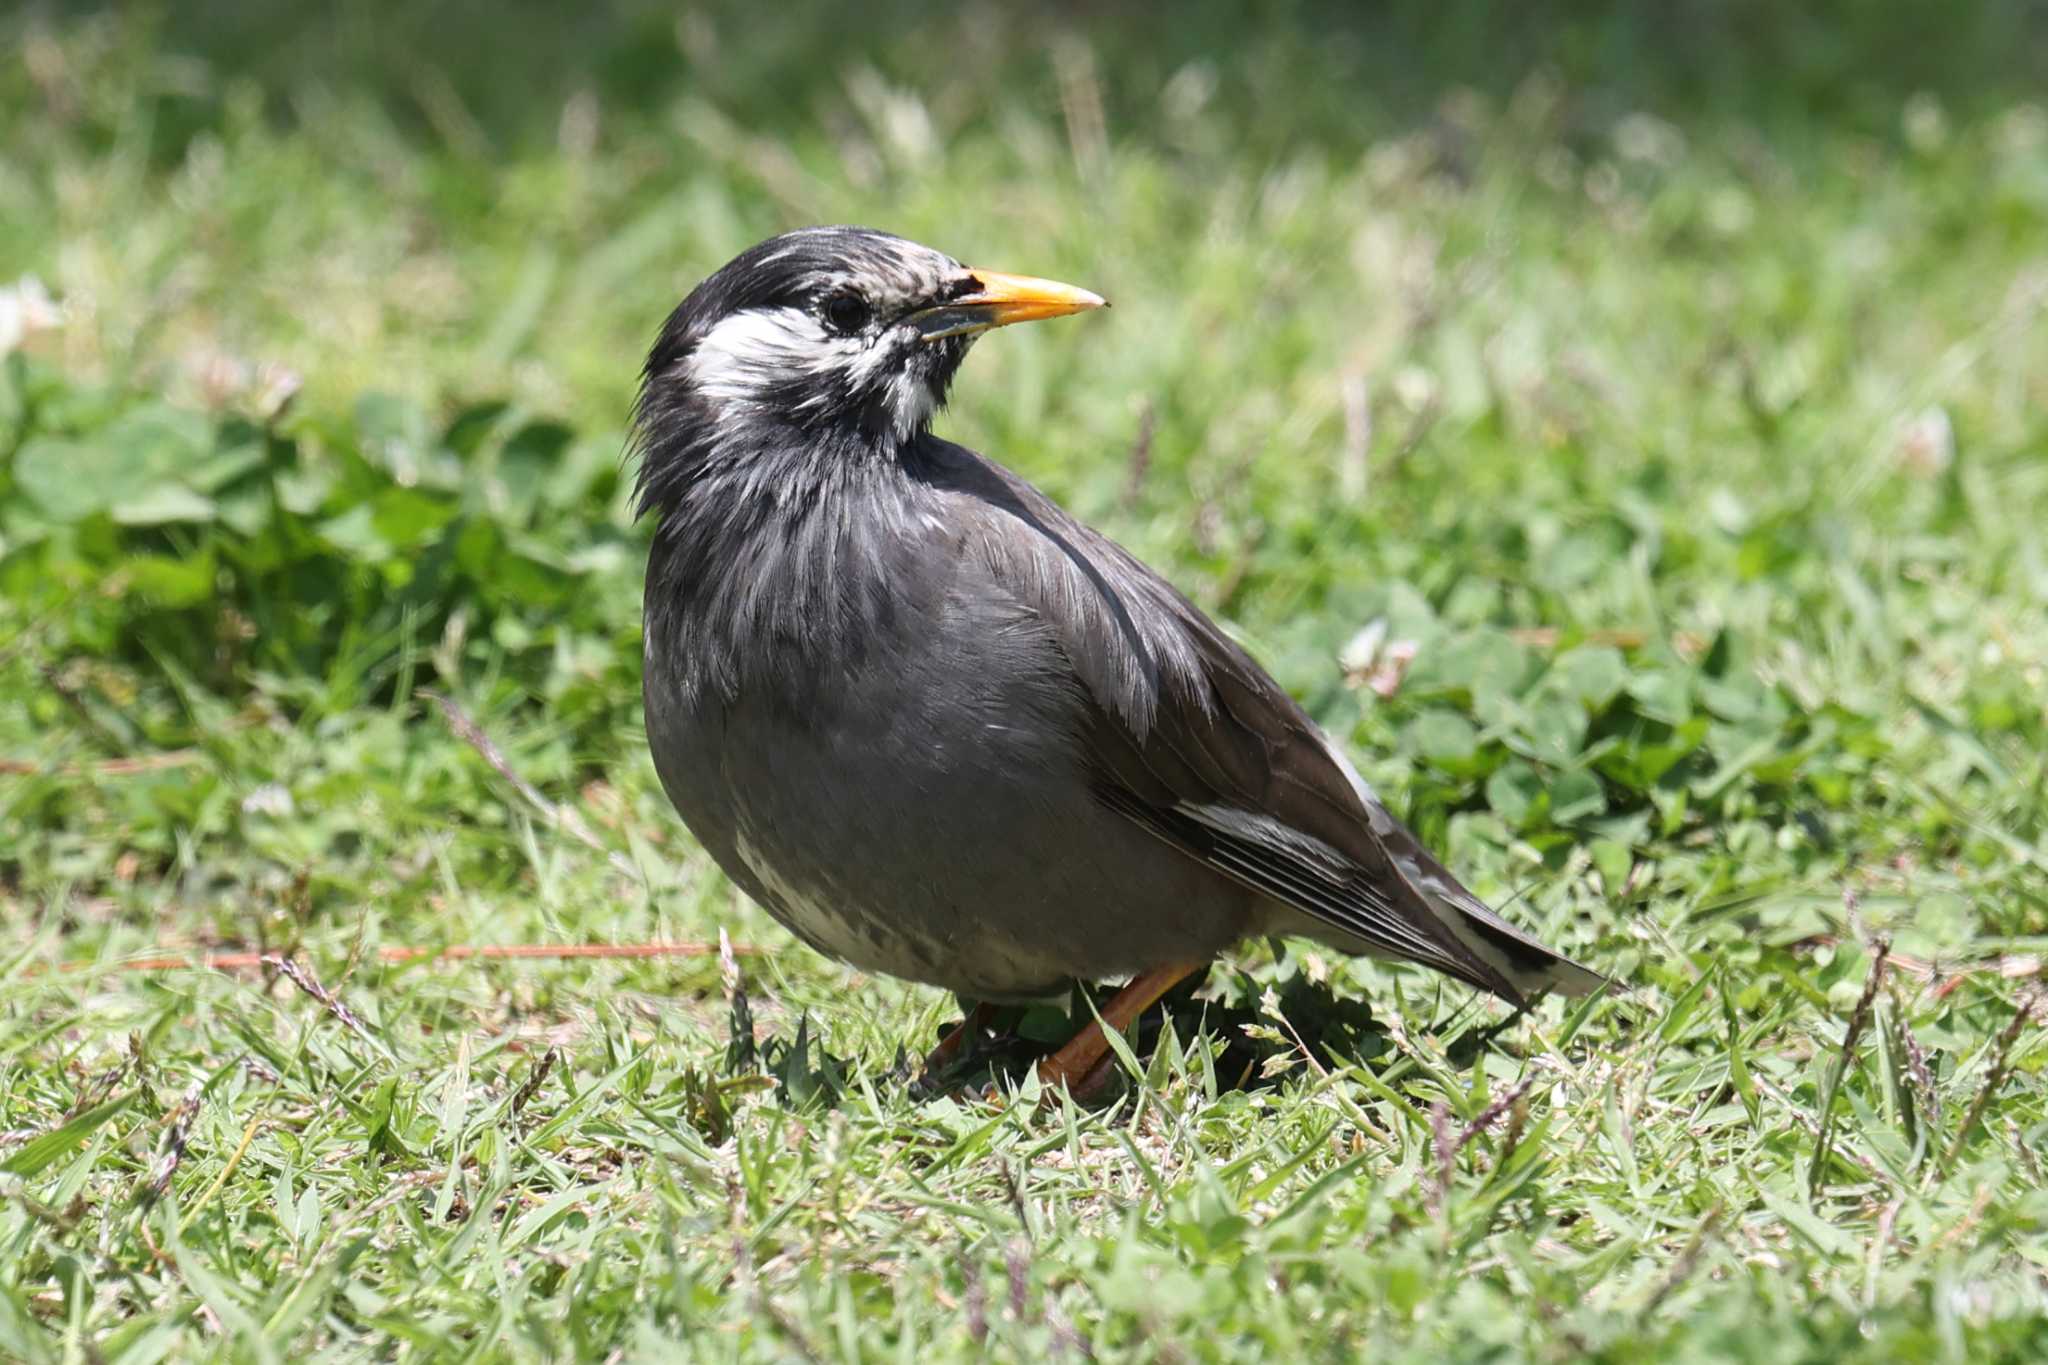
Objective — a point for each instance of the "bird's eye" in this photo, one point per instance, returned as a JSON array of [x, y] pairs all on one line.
[[847, 312]]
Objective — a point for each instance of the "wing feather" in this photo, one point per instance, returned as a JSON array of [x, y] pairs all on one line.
[[1194, 742]]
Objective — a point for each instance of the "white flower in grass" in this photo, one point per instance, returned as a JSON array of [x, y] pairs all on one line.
[[25, 309]]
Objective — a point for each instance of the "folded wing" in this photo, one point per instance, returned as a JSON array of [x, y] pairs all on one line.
[[1195, 743]]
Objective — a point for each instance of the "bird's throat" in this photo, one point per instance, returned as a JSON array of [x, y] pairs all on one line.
[[772, 556]]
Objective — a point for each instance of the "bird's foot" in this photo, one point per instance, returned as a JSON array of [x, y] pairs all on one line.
[[1084, 1065], [960, 1045]]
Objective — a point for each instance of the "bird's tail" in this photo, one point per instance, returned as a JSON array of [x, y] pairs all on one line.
[[1527, 967]]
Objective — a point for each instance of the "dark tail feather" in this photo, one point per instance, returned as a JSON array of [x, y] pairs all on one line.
[[1525, 964]]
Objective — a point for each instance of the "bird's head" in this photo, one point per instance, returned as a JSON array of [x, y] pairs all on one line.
[[834, 331]]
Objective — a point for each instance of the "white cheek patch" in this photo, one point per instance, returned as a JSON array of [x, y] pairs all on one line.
[[749, 353], [909, 399], [759, 355], [904, 391]]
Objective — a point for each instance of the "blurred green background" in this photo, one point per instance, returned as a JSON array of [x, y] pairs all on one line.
[[1623, 425]]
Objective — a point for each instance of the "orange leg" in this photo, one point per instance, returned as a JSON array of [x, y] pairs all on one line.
[[1086, 1050], [956, 1042]]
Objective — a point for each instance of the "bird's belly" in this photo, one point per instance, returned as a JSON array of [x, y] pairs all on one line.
[[942, 830], [894, 857], [850, 913]]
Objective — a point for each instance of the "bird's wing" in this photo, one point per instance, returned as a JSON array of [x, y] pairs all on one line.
[[1193, 741]]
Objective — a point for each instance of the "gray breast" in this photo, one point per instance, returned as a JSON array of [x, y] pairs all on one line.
[[920, 804]]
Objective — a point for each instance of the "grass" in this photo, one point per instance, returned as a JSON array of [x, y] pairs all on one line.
[[1625, 431]]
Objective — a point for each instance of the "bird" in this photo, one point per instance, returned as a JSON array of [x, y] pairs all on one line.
[[942, 730]]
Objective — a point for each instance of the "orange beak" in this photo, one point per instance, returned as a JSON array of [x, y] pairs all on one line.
[[1001, 300]]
